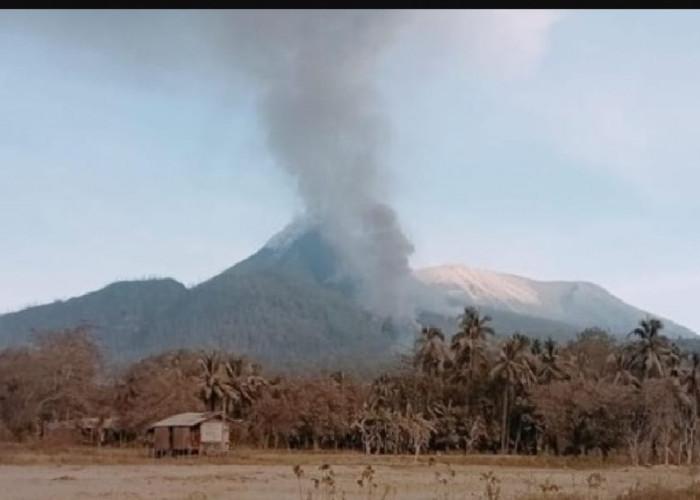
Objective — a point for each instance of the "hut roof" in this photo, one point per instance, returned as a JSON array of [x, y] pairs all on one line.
[[85, 423], [185, 419], [94, 422]]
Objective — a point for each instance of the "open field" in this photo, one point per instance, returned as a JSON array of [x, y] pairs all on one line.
[[67, 474]]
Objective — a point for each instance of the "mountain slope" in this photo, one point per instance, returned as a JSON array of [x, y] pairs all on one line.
[[282, 305], [290, 304], [574, 303]]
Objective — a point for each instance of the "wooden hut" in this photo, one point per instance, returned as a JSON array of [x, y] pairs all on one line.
[[190, 434], [91, 430], [61, 431], [101, 431]]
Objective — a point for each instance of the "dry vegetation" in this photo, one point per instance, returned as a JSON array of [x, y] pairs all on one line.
[[255, 475], [466, 415]]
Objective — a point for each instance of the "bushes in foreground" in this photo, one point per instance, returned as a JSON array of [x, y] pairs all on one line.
[[468, 392]]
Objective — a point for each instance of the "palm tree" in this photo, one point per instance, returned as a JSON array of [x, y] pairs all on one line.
[[691, 379], [384, 392], [619, 369], [513, 370], [243, 384], [212, 386], [652, 353], [468, 344], [690, 382], [550, 364], [339, 378], [536, 348], [431, 355]]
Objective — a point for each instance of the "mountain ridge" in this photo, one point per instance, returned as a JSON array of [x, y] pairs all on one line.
[[291, 304], [578, 302]]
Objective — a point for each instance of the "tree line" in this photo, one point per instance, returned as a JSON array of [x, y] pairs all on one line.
[[468, 392]]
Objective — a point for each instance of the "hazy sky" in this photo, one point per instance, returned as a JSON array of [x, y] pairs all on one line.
[[553, 145]]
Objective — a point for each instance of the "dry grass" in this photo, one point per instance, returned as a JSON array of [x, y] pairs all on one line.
[[557, 496], [646, 493], [649, 492], [38, 453], [65, 472], [656, 492]]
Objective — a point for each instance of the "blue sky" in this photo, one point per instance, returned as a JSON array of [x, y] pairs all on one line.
[[553, 145]]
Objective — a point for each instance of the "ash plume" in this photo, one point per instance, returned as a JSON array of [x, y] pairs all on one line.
[[313, 73], [320, 112]]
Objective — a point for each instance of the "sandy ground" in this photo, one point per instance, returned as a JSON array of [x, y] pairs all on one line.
[[264, 481]]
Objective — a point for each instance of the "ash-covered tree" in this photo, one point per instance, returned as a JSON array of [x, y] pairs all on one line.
[[468, 345], [512, 371], [652, 354]]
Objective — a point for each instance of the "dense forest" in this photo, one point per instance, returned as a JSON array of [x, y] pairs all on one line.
[[467, 392]]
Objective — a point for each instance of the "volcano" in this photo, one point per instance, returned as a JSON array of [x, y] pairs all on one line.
[[291, 304]]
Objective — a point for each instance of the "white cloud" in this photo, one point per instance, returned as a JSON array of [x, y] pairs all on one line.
[[501, 43], [612, 106], [593, 123], [634, 134]]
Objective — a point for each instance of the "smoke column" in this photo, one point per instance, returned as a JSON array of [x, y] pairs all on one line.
[[313, 72], [316, 70]]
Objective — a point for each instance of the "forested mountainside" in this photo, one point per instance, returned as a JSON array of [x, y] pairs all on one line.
[[290, 304]]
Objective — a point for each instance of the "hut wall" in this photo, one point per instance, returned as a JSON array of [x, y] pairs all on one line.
[[214, 437], [212, 431], [61, 433], [181, 438], [161, 438]]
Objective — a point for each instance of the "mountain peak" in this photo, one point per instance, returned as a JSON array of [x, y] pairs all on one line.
[[578, 303], [480, 285], [300, 248], [292, 232]]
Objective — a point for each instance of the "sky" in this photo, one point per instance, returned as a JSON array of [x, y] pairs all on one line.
[[554, 145]]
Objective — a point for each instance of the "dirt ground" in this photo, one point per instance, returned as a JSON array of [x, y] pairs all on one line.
[[262, 479]]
